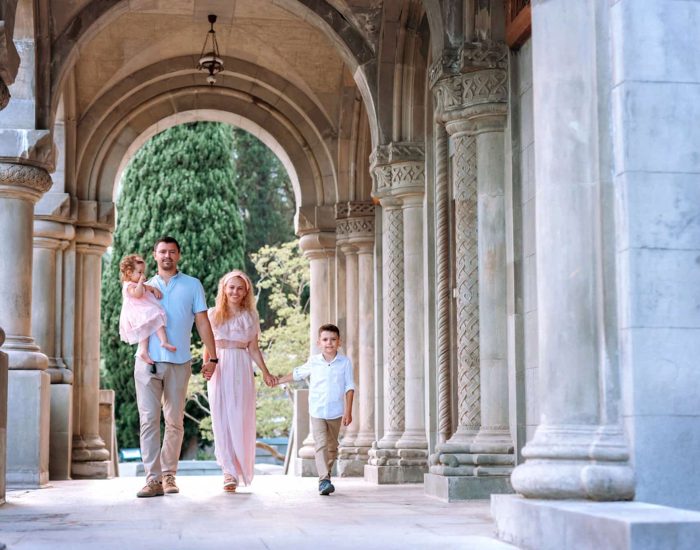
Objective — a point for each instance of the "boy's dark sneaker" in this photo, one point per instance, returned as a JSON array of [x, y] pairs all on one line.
[[325, 487]]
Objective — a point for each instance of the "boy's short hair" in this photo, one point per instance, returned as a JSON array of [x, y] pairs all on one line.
[[328, 328], [168, 240]]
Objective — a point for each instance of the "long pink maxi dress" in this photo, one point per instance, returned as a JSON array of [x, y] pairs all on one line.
[[140, 317], [232, 397]]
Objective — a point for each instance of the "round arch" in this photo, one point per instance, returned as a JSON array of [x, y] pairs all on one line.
[[288, 120], [197, 115], [351, 45]]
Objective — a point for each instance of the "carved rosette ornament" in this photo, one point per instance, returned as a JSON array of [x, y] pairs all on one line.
[[23, 181]]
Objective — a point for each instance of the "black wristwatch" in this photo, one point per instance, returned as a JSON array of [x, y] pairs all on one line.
[[213, 360]]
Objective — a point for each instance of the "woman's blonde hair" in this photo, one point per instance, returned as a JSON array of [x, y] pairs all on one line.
[[128, 266], [222, 311]]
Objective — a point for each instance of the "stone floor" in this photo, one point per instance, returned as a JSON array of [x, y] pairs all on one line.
[[277, 512]]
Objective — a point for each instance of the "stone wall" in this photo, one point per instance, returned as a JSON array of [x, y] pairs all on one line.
[[656, 78]]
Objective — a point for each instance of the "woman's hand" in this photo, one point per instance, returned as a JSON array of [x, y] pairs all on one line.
[[270, 381]]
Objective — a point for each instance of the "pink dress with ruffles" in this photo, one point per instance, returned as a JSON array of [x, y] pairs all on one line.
[[231, 393], [140, 317]]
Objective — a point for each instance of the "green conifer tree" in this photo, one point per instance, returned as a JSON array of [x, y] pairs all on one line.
[[180, 183], [267, 205]]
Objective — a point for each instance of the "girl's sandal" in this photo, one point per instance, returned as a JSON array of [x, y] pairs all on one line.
[[230, 483]]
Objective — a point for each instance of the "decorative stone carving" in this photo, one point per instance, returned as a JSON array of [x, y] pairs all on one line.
[[355, 220], [468, 90], [470, 57], [442, 237], [398, 168], [394, 321], [31, 180], [467, 277]]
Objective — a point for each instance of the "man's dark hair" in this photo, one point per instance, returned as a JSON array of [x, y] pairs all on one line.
[[168, 240], [328, 328]]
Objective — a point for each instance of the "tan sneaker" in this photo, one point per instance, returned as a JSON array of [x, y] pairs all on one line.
[[153, 488], [169, 485]]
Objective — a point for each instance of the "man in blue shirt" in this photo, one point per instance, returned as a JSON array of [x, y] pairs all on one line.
[[163, 386]]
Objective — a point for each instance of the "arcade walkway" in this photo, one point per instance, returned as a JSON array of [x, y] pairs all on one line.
[[278, 512]]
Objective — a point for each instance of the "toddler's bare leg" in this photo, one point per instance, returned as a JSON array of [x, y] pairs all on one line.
[[142, 351], [164, 339]]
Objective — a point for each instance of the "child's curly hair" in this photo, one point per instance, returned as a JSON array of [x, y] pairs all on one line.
[[128, 265]]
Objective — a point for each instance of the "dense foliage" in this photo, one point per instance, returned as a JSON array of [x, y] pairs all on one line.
[[179, 183], [266, 200]]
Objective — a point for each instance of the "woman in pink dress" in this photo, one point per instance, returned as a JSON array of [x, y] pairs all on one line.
[[231, 389], [141, 313]]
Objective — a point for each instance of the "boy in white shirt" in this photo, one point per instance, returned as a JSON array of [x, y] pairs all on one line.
[[331, 390]]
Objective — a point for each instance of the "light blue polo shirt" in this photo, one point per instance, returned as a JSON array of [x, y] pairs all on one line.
[[183, 296]]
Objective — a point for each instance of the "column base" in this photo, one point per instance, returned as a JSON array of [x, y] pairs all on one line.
[[28, 419], [394, 475], [305, 467], [61, 437], [96, 469], [586, 525], [453, 488], [351, 461]]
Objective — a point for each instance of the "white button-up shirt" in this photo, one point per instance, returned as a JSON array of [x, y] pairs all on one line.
[[329, 383]]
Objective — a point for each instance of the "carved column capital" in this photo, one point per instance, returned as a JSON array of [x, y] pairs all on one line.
[[96, 214], [355, 223], [23, 181], [472, 56], [318, 245], [472, 83], [53, 234], [92, 240], [473, 95], [398, 169]]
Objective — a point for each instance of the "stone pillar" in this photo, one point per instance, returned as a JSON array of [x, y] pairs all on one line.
[[366, 435], [51, 238], [399, 182], [3, 417], [443, 295], [319, 249], [28, 402], [477, 459], [355, 230], [90, 456], [577, 450]]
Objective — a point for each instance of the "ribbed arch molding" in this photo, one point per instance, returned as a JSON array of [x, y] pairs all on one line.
[[269, 105]]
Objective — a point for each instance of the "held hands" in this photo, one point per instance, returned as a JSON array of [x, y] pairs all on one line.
[[270, 380], [208, 370]]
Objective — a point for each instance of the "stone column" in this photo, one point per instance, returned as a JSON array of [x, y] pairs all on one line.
[[90, 456], [443, 295], [476, 461], [51, 238], [399, 182], [365, 250], [319, 249], [28, 403], [577, 452], [3, 417], [356, 232], [413, 443]]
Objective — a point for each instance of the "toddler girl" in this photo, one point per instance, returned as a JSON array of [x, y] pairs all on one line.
[[141, 313]]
